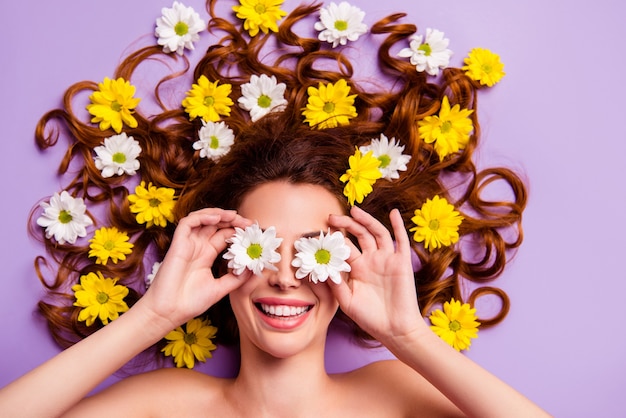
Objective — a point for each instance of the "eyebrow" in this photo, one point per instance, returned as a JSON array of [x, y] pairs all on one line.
[[310, 234]]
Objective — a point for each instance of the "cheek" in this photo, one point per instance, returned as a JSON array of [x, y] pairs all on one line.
[[325, 296]]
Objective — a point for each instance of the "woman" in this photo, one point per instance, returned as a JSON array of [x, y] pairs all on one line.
[[283, 175], [282, 360]]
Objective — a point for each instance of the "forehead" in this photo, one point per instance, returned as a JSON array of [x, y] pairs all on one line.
[[291, 208]]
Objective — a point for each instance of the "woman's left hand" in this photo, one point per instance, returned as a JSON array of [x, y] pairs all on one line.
[[380, 293]]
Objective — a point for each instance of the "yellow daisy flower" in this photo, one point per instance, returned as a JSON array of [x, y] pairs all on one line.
[[193, 342], [484, 66], [450, 130], [437, 223], [329, 105], [361, 175], [109, 243], [208, 100], [112, 104], [153, 205], [260, 14], [456, 324], [100, 297]]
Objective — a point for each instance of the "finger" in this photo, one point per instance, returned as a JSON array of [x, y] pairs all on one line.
[[377, 229], [363, 236], [354, 251], [219, 239], [399, 232]]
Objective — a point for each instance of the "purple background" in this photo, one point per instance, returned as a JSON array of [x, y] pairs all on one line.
[[555, 115]]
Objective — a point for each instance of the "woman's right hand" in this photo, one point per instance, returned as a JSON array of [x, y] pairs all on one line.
[[184, 286]]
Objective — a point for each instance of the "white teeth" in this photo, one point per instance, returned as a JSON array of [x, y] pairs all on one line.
[[284, 310]]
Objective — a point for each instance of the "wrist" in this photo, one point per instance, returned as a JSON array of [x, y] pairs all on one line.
[[152, 326], [409, 341]]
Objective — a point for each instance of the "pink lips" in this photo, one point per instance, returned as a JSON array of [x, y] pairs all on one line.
[[283, 314]]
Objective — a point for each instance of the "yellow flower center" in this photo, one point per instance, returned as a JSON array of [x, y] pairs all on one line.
[[322, 256], [433, 224], [341, 25], [486, 68], [260, 8], [446, 127], [209, 101], [385, 160], [264, 101], [329, 107], [119, 158], [181, 28], [215, 142], [102, 298], [426, 49], [190, 338], [254, 251], [154, 202], [116, 106], [455, 326], [65, 217], [109, 245]]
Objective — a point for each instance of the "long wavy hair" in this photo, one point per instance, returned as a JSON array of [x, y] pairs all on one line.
[[281, 146]]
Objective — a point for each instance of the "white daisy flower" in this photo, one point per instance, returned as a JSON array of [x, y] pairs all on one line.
[[262, 95], [215, 141], [64, 218], [431, 55], [322, 257], [150, 277], [253, 249], [178, 28], [389, 153], [118, 155], [340, 23]]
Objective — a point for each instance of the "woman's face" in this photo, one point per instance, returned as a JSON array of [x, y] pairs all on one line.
[[306, 309]]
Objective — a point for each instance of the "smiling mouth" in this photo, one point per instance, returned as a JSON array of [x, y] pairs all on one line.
[[282, 311]]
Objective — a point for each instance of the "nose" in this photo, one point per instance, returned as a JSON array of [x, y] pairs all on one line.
[[285, 275]]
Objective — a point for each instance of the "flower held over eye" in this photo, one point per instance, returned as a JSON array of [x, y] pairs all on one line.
[[109, 243], [192, 343], [484, 66], [64, 218], [208, 100], [322, 258], [340, 23], [253, 249], [178, 28], [112, 104], [456, 324], [100, 297], [117, 155], [329, 105], [431, 55], [450, 130], [153, 205], [260, 15], [389, 153], [215, 141], [437, 223], [262, 95], [360, 177]]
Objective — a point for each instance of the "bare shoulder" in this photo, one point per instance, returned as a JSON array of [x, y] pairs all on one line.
[[162, 392], [396, 386]]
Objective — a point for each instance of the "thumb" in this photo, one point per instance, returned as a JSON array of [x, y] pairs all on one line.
[[343, 294], [229, 282]]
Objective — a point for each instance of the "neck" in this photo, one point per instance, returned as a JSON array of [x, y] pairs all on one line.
[[279, 386]]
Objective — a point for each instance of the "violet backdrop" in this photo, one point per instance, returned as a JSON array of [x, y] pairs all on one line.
[[555, 116]]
